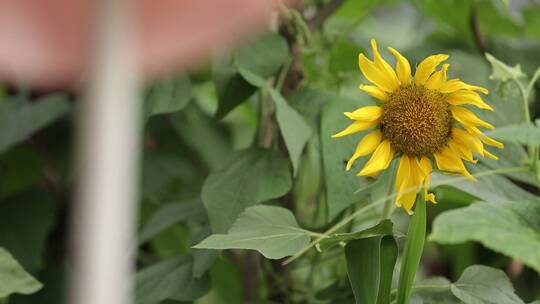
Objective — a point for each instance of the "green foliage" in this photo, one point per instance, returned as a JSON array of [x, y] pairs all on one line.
[[20, 119], [413, 251], [250, 177], [503, 72], [13, 278], [381, 229], [273, 231], [511, 228], [524, 134], [169, 95], [169, 279]]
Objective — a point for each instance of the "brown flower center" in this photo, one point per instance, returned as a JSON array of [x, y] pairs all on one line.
[[416, 120]]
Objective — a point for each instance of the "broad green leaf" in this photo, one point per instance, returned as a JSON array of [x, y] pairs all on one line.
[[169, 279], [383, 228], [13, 278], [503, 72], [413, 251], [250, 177], [271, 230], [168, 215], [231, 87], [434, 290], [388, 257], [19, 119], [484, 285], [523, 134], [168, 95], [341, 185], [511, 228], [294, 129], [370, 267], [25, 223], [363, 268], [264, 55]]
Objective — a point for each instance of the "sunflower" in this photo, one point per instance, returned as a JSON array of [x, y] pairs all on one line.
[[421, 119]]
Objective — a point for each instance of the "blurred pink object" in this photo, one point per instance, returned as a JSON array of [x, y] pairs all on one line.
[[46, 43]]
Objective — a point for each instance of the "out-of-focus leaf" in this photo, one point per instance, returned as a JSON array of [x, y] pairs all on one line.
[[20, 168], [511, 228], [531, 16], [484, 285], [169, 279], [168, 215], [294, 129], [203, 134], [19, 120], [271, 230], [413, 251], [341, 185], [13, 278], [25, 223], [231, 87], [385, 227], [434, 290], [169, 95], [249, 177], [503, 72], [523, 134], [263, 56]]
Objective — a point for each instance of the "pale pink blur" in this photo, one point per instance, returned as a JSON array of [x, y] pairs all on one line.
[[46, 43]]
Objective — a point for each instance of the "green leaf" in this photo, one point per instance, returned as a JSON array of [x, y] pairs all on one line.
[[370, 267], [434, 290], [523, 134], [168, 215], [19, 120], [388, 257], [363, 268], [341, 185], [263, 56], [413, 251], [168, 95], [25, 223], [231, 87], [294, 129], [271, 230], [169, 279], [484, 285], [250, 177], [13, 278], [12, 163], [502, 72], [511, 228], [383, 228]]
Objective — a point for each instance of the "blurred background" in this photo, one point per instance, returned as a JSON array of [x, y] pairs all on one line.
[[200, 111]]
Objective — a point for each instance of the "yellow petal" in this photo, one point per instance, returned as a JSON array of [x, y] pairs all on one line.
[[375, 92], [492, 156], [462, 151], [485, 139], [436, 80], [467, 139], [365, 146], [376, 76], [468, 97], [425, 165], [403, 68], [454, 85], [447, 161], [381, 63], [355, 127], [380, 159], [405, 193], [426, 68], [468, 118], [368, 113]]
